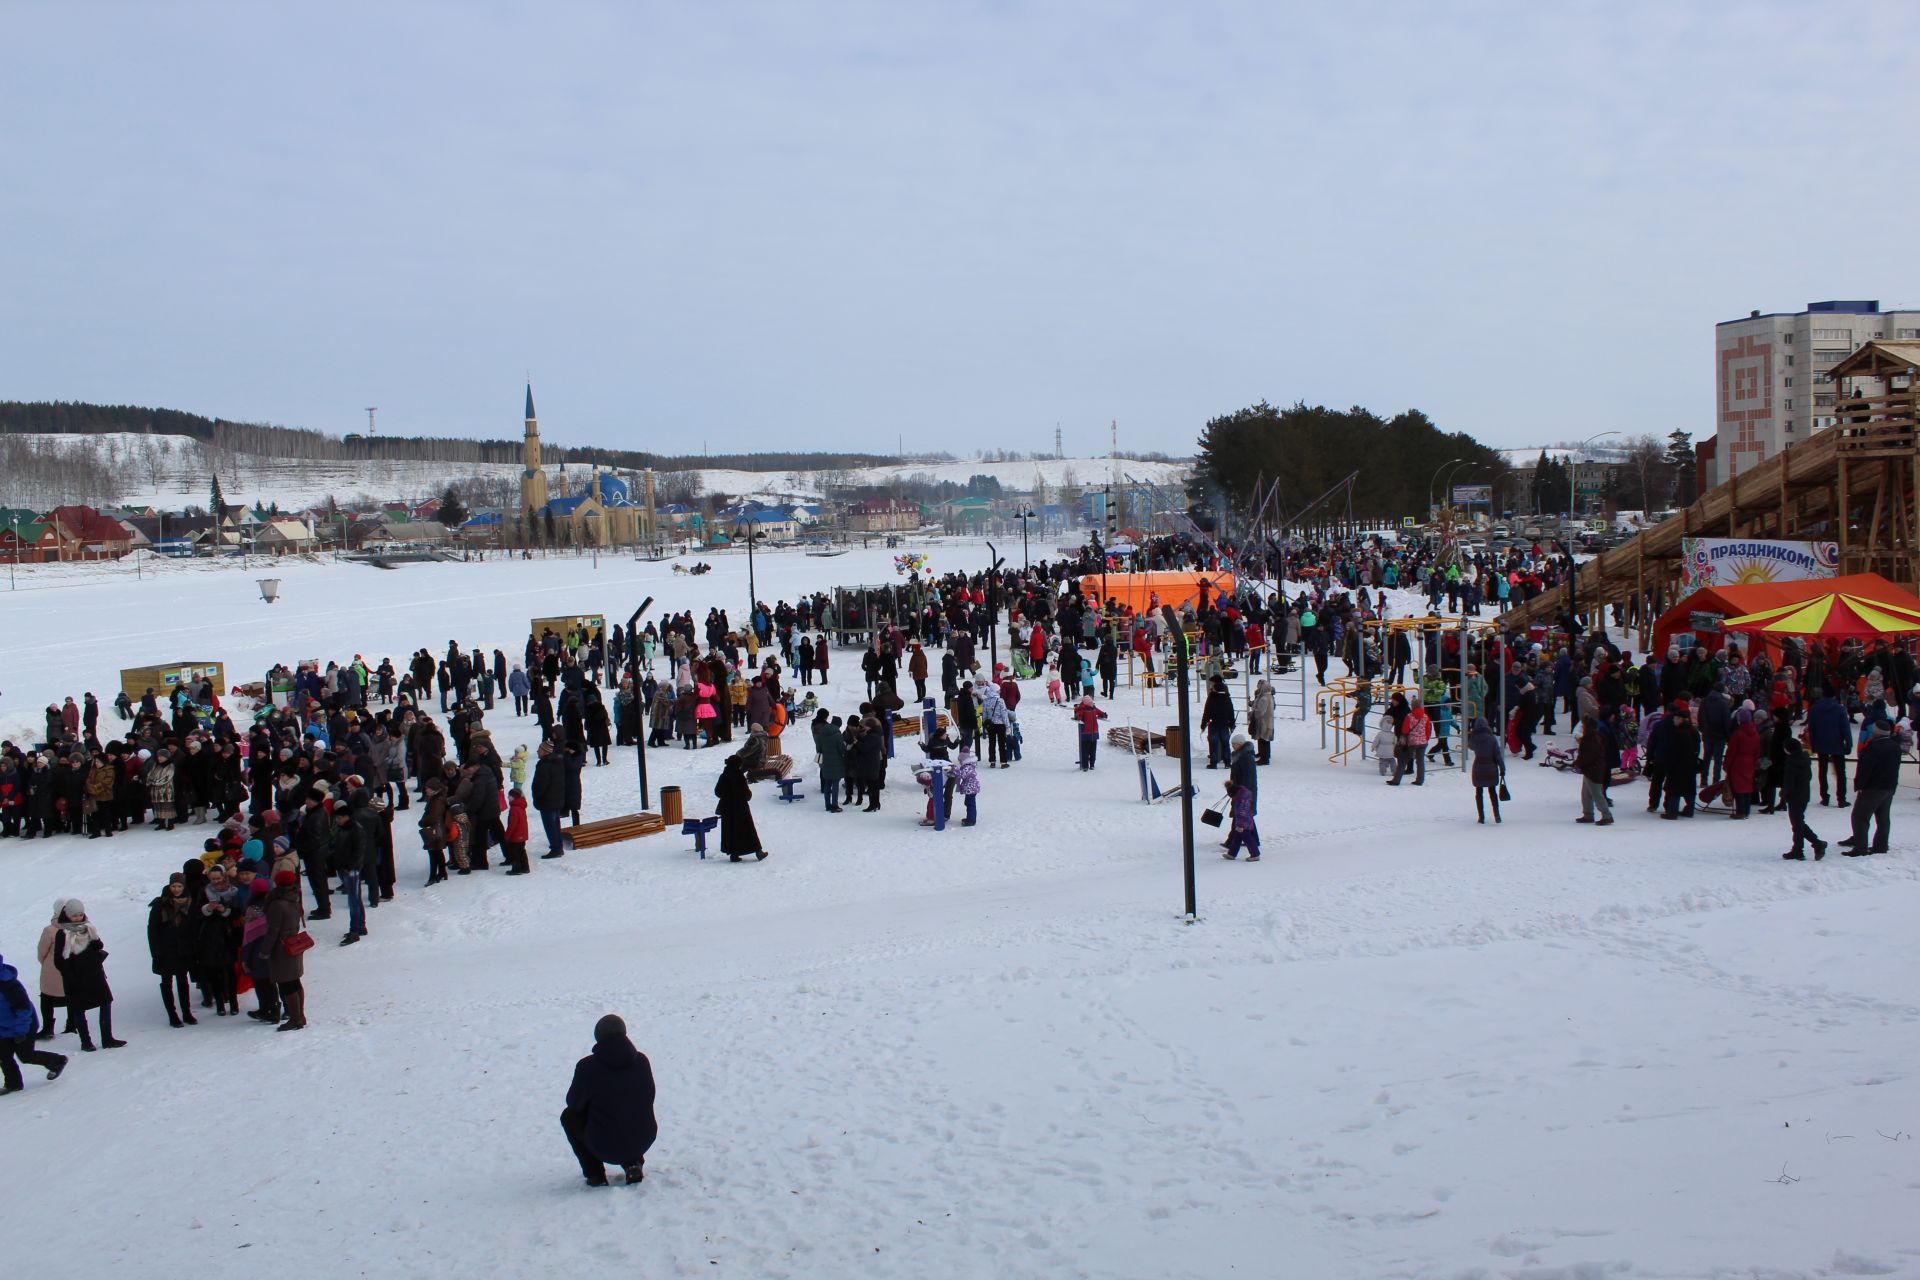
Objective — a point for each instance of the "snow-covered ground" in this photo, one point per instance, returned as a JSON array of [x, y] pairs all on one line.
[[174, 471], [1402, 1045]]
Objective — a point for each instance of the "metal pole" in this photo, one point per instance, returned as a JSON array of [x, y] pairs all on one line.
[[993, 611], [643, 713], [1177, 643]]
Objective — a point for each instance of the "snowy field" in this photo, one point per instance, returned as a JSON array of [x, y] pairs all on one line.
[[1401, 1046]]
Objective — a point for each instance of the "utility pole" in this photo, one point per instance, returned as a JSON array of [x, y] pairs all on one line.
[[371, 410]]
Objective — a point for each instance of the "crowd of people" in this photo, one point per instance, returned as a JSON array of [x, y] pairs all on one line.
[[307, 785]]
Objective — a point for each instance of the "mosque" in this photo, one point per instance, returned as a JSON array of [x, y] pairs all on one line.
[[602, 514]]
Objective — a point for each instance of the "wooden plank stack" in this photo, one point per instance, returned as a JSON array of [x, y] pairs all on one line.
[[1138, 741], [631, 826]]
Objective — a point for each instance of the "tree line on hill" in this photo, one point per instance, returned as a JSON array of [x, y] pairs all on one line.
[[219, 435]]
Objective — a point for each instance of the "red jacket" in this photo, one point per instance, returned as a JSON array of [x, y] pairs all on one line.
[[1743, 753], [517, 819], [1089, 717]]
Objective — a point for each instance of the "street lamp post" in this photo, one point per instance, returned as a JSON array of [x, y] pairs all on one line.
[[1435, 476], [1026, 516], [753, 595]]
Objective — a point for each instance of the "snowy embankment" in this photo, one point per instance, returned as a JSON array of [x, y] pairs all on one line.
[[1402, 1045], [170, 472]]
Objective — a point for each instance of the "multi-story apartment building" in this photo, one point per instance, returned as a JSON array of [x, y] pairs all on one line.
[[1770, 383]]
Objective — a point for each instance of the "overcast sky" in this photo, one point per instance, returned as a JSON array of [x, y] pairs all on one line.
[[812, 225]]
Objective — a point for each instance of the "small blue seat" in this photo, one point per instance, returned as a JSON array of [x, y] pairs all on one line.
[[698, 828], [787, 791]]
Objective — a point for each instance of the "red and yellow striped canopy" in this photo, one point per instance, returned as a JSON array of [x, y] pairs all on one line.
[[1840, 615]]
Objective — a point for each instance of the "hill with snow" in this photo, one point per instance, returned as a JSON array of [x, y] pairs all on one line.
[[171, 471]]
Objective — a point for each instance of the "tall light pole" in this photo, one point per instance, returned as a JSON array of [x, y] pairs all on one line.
[[753, 595], [1026, 514], [1572, 465], [1435, 476], [1448, 477]]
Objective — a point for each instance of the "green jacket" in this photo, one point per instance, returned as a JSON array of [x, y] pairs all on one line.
[[833, 752]]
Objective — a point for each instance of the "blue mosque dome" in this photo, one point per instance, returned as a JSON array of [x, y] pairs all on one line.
[[613, 489]]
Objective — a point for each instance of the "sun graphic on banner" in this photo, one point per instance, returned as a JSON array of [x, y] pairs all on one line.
[[1747, 573]]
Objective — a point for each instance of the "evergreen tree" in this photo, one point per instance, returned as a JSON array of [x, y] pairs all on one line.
[[1680, 463], [549, 521], [453, 512], [217, 501]]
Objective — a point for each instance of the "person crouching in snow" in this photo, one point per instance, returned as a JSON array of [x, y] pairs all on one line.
[[1089, 717], [609, 1111], [1243, 832]]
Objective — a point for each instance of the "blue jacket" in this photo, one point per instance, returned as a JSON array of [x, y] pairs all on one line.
[[1829, 727], [17, 1017]]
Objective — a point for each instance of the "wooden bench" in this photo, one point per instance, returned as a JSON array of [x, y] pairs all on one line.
[[776, 769], [698, 828], [631, 826], [909, 726]]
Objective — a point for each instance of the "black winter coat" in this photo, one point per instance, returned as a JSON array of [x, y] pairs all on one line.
[[613, 1088], [84, 975], [170, 936], [733, 802], [549, 785], [1796, 782]]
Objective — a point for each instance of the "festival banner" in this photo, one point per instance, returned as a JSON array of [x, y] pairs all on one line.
[[1722, 562]]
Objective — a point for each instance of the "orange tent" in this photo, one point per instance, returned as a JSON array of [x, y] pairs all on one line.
[[1738, 601], [1136, 591]]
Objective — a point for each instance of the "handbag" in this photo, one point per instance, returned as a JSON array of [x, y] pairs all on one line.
[[1211, 816], [1504, 793], [296, 943]]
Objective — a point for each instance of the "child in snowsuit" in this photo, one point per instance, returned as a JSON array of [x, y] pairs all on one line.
[[966, 775], [1055, 693], [1243, 833], [514, 847], [459, 831]]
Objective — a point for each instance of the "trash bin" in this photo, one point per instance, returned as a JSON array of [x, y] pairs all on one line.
[[1175, 747], [269, 589], [670, 806]]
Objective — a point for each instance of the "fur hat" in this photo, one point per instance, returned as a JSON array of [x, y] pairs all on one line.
[[286, 877]]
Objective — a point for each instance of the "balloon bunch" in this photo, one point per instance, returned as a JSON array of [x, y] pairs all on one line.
[[909, 563]]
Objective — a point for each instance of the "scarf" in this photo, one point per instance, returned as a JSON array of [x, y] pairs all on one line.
[[80, 935]]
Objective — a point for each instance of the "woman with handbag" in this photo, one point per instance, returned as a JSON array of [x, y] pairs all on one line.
[[1489, 769], [285, 946]]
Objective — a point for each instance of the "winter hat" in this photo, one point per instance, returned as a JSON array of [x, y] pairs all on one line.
[[258, 888], [1240, 739], [609, 1029], [286, 877], [1743, 716], [73, 909]]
